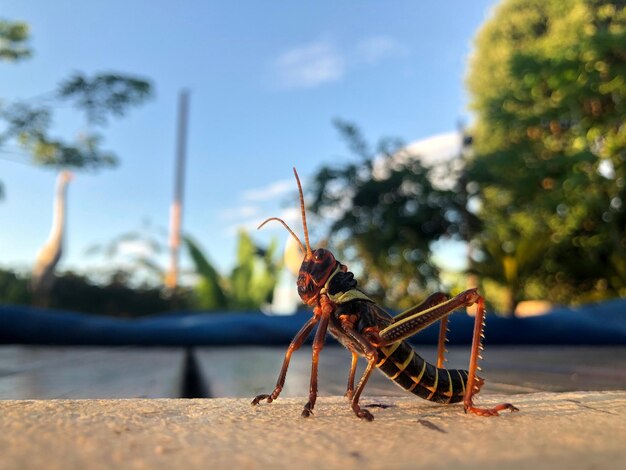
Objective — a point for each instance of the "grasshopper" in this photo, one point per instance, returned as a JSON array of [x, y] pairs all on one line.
[[368, 331]]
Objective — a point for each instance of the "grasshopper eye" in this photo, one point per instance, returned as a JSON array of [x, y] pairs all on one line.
[[320, 253]]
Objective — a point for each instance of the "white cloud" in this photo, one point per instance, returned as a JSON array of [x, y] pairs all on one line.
[[135, 248], [438, 148], [321, 62], [431, 152], [378, 48], [240, 212], [291, 216], [310, 65], [271, 191], [248, 216]]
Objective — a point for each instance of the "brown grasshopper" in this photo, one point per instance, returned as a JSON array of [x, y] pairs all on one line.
[[366, 330]]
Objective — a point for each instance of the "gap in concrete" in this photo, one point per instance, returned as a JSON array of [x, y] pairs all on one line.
[[193, 384]]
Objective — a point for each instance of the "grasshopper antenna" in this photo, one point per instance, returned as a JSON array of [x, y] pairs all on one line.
[[309, 252], [287, 227]]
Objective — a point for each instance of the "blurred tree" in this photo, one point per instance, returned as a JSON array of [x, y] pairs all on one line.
[[251, 283], [255, 276], [133, 260], [131, 257], [14, 288], [548, 87], [13, 47], [130, 283], [384, 213], [209, 291], [28, 123], [77, 293], [14, 40]]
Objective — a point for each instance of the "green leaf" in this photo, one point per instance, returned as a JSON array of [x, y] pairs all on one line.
[[209, 292]]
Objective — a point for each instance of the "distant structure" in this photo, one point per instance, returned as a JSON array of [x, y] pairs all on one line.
[[50, 254], [176, 214]]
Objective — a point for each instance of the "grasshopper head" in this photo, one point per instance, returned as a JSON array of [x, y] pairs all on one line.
[[317, 265], [314, 272]]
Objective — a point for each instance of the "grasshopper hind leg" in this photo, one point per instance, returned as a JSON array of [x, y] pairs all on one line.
[[474, 383], [441, 346]]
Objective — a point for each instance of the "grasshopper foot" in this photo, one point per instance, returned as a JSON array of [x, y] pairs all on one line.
[[364, 414], [490, 411], [361, 413], [308, 410], [260, 398]]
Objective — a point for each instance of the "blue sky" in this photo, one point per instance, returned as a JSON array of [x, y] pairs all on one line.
[[266, 78]]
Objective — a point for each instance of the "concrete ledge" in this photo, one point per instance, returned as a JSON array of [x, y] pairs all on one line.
[[569, 430]]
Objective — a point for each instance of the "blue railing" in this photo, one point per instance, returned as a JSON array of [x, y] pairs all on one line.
[[595, 324]]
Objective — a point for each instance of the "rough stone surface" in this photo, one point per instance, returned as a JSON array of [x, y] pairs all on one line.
[[552, 430]]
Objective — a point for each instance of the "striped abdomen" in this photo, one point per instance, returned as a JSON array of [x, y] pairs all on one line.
[[405, 367]]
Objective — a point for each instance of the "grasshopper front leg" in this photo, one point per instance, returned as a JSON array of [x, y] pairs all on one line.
[[297, 341]]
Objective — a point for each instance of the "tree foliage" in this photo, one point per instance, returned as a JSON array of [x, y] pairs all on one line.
[[209, 290], [255, 276], [385, 213], [104, 94], [28, 123], [250, 285], [548, 86], [131, 258], [14, 288], [75, 292], [131, 281], [14, 40]]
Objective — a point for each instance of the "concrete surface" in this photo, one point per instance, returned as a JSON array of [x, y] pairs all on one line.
[[248, 371], [41, 372], [574, 430]]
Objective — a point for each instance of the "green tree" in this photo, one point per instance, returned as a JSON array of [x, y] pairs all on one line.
[[134, 259], [131, 258], [13, 47], [27, 123], [385, 213], [14, 288], [255, 276], [250, 284], [548, 87], [209, 291], [14, 40]]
